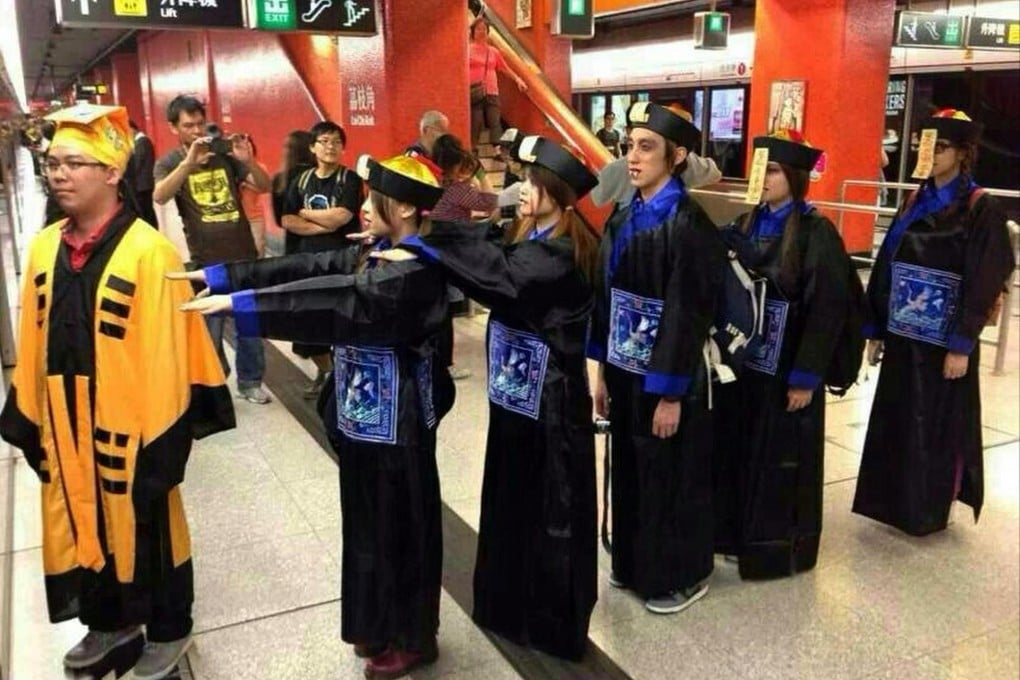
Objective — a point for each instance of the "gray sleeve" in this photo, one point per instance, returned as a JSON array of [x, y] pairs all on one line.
[[700, 171], [614, 183], [167, 164]]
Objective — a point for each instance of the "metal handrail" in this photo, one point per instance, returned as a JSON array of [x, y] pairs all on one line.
[[904, 186], [832, 205]]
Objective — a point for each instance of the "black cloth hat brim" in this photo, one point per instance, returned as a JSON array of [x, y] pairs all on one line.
[[789, 153], [663, 121], [956, 130], [550, 155]]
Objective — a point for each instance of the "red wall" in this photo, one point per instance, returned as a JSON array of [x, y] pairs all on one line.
[[127, 86], [841, 49]]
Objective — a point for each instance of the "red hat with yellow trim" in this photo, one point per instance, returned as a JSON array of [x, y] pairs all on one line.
[[953, 125]]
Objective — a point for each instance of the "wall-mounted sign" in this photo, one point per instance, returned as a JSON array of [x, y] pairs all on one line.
[[924, 29], [573, 19], [895, 96], [156, 14], [711, 30], [89, 91], [342, 17], [993, 34], [361, 104], [522, 13]]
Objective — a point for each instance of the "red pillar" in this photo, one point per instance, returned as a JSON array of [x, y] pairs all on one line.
[[840, 48], [417, 62], [127, 86]]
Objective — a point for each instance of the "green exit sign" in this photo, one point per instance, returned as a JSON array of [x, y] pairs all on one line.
[[711, 30], [716, 23], [576, 8], [573, 18], [276, 15]]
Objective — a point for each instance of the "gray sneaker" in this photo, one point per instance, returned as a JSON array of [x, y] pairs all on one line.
[[160, 658], [94, 647], [676, 601], [255, 395]]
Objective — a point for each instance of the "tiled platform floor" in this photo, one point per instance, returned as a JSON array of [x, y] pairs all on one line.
[[262, 504]]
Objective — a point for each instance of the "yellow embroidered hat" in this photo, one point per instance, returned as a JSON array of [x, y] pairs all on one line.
[[102, 132]]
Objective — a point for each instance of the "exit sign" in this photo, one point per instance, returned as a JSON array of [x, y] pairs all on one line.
[[711, 30], [573, 19]]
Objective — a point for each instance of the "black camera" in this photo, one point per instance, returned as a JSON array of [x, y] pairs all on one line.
[[217, 142]]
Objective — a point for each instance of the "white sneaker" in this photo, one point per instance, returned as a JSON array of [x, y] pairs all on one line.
[[255, 395], [159, 659], [676, 601], [96, 645], [615, 582]]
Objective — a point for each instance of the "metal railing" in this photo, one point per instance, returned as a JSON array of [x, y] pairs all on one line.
[[1001, 341], [902, 186]]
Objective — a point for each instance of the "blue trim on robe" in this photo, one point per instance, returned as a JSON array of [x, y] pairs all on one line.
[[596, 351], [645, 215], [246, 315], [803, 380], [666, 384], [423, 251], [958, 344], [541, 234], [217, 279], [870, 331]]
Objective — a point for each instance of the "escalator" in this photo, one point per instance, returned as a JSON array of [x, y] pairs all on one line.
[[567, 126]]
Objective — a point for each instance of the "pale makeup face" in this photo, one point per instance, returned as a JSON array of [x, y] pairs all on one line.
[[646, 159], [534, 202], [776, 190]]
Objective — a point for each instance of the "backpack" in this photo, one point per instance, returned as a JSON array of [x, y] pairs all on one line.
[[848, 354], [736, 331], [306, 176]]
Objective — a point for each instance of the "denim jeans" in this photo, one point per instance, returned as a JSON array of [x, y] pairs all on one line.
[[250, 355]]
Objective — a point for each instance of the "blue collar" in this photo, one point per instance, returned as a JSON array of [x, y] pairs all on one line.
[[929, 201], [646, 215], [384, 244], [541, 234]]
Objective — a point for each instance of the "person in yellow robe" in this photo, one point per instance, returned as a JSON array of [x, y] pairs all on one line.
[[112, 385]]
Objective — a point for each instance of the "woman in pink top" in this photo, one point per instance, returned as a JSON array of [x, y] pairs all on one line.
[[483, 62]]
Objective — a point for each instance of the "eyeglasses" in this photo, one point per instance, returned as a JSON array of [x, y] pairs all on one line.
[[329, 142], [51, 165], [940, 146]]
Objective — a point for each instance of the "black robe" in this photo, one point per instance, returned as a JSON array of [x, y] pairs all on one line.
[[535, 574], [661, 488], [923, 448], [769, 462], [383, 323]]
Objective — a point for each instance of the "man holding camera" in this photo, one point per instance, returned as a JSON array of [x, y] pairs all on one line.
[[204, 176]]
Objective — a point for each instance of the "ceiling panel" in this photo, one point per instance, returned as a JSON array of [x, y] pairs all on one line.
[[53, 56]]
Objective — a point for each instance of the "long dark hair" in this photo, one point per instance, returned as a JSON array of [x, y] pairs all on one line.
[[297, 153], [586, 243], [449, 154], [789, 255]]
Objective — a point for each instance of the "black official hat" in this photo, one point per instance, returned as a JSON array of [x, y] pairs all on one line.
[[511, 140], [953, 125], [666, 122], [553, 157], [789, 147], [402, 178]]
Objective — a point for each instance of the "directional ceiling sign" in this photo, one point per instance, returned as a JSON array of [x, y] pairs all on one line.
[[341, 17], [157, 14]]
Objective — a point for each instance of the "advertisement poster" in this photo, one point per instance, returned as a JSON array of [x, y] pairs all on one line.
[[727, 115], [786, 105], [522, 13]]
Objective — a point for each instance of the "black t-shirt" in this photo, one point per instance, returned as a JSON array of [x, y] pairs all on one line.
[[610, 139], [209, 202], [340, 189]]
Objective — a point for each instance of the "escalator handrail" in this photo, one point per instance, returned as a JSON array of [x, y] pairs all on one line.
[[542, 94]]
